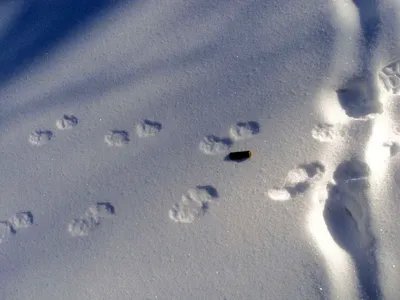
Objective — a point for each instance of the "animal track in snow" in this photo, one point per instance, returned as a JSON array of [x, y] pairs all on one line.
[[91, 219], [244, 130], [67, 122], [359, 99], [194, 204], [40, 137], [14, 224], [390, 77], [212, 145], [148, 128], [327, 133], [116, 138], [297, 181], [101, 210], [21, 220], [81, 227]]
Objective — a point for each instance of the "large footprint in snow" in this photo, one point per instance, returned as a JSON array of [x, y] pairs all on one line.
[[347, 217], [347, 197], [297, 181], [359, 98]]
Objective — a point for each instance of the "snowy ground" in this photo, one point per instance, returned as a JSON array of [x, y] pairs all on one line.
[[116, 118]]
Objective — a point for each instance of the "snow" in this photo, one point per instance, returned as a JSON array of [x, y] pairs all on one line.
[[115, 121]]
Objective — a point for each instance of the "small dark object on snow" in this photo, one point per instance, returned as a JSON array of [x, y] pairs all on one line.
[[239, 156]]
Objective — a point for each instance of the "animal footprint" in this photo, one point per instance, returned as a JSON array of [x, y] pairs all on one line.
[[148, 128], [101, 210], [326, 133], [67, 122], [40, 137], [244, 130], [81, 227], [21, 220], [15, 223], [193, 205], [390, 77], [91, 219], [116, 138], [297, 181], [212, 145]]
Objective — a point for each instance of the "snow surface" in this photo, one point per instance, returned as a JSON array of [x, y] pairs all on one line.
[[115, 120]]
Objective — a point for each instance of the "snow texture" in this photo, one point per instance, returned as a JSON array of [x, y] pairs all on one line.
[[116, 117]]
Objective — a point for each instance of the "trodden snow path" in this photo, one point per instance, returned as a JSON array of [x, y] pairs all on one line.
[[115, 121], [347, 217]]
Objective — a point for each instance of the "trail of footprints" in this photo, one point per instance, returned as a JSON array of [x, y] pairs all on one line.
[[357, 100], [78, 227], [194, 203], [113, 138], [345, 207], [144, 129], [41, 137], [197, 201], [210, 145]]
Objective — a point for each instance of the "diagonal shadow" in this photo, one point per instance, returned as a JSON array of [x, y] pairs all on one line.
[[347, 216], [39, 27], [101, 82]]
